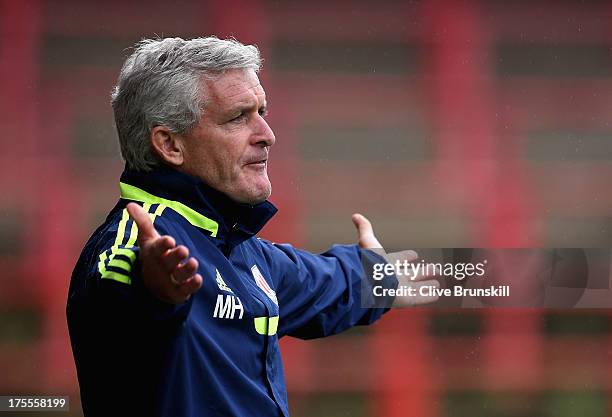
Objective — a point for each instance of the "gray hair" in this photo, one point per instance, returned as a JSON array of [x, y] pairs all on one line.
[[159, 85]]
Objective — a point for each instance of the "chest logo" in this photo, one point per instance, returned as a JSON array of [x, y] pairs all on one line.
[[263, 284], [221, 284], [228, 307]]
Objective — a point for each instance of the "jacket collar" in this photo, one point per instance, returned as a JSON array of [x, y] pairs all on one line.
[[201, 205]]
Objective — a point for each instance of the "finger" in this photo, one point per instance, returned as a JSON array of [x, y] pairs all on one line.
[[365, 232], [160, 246], [427, 297], [186, 270], [410, 276], [420, 276], [173, 257], [426, 274], [405, 255], [189, 286], [427, 271], [146, 231]]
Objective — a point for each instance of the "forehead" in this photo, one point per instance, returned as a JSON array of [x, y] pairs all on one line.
[[234, 87]]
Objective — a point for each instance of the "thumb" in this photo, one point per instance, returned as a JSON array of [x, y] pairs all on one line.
[[365, 232], [146, 230]]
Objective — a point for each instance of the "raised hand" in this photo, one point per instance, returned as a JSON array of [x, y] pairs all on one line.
[[167, 270], [367, 240], [365, 233]]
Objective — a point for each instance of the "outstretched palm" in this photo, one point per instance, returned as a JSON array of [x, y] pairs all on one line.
[[167, 270]]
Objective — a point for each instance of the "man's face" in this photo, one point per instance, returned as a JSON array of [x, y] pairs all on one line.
[[228, 148]]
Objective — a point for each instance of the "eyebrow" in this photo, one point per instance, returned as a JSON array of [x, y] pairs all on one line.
[[243, 106]]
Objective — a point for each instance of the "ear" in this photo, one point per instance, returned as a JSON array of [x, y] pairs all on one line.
[[168, 145]]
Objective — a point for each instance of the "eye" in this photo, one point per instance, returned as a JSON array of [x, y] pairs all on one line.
[[237, 118], [263, 112]]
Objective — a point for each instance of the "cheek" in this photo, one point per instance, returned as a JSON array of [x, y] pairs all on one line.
[[233, 159], [221, 155], [227, 164]]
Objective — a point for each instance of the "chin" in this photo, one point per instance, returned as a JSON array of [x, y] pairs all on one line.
[[254, 195], [260, 198]]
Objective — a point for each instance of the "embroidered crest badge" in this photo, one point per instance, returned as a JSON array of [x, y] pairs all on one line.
[[263, 284]]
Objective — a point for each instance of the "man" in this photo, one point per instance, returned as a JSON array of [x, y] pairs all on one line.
[[175, 307]]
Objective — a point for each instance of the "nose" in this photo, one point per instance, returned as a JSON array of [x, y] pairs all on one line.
[[263, 134]]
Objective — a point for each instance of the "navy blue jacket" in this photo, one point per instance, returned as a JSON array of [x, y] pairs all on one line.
[[216, 354]]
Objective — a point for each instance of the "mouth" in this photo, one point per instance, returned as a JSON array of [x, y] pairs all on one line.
[[258, 163]]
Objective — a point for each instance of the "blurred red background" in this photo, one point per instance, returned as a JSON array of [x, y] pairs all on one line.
[[448, 123]]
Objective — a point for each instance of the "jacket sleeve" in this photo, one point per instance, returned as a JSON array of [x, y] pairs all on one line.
[[108, 276], [117, 327], [321, 295]]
